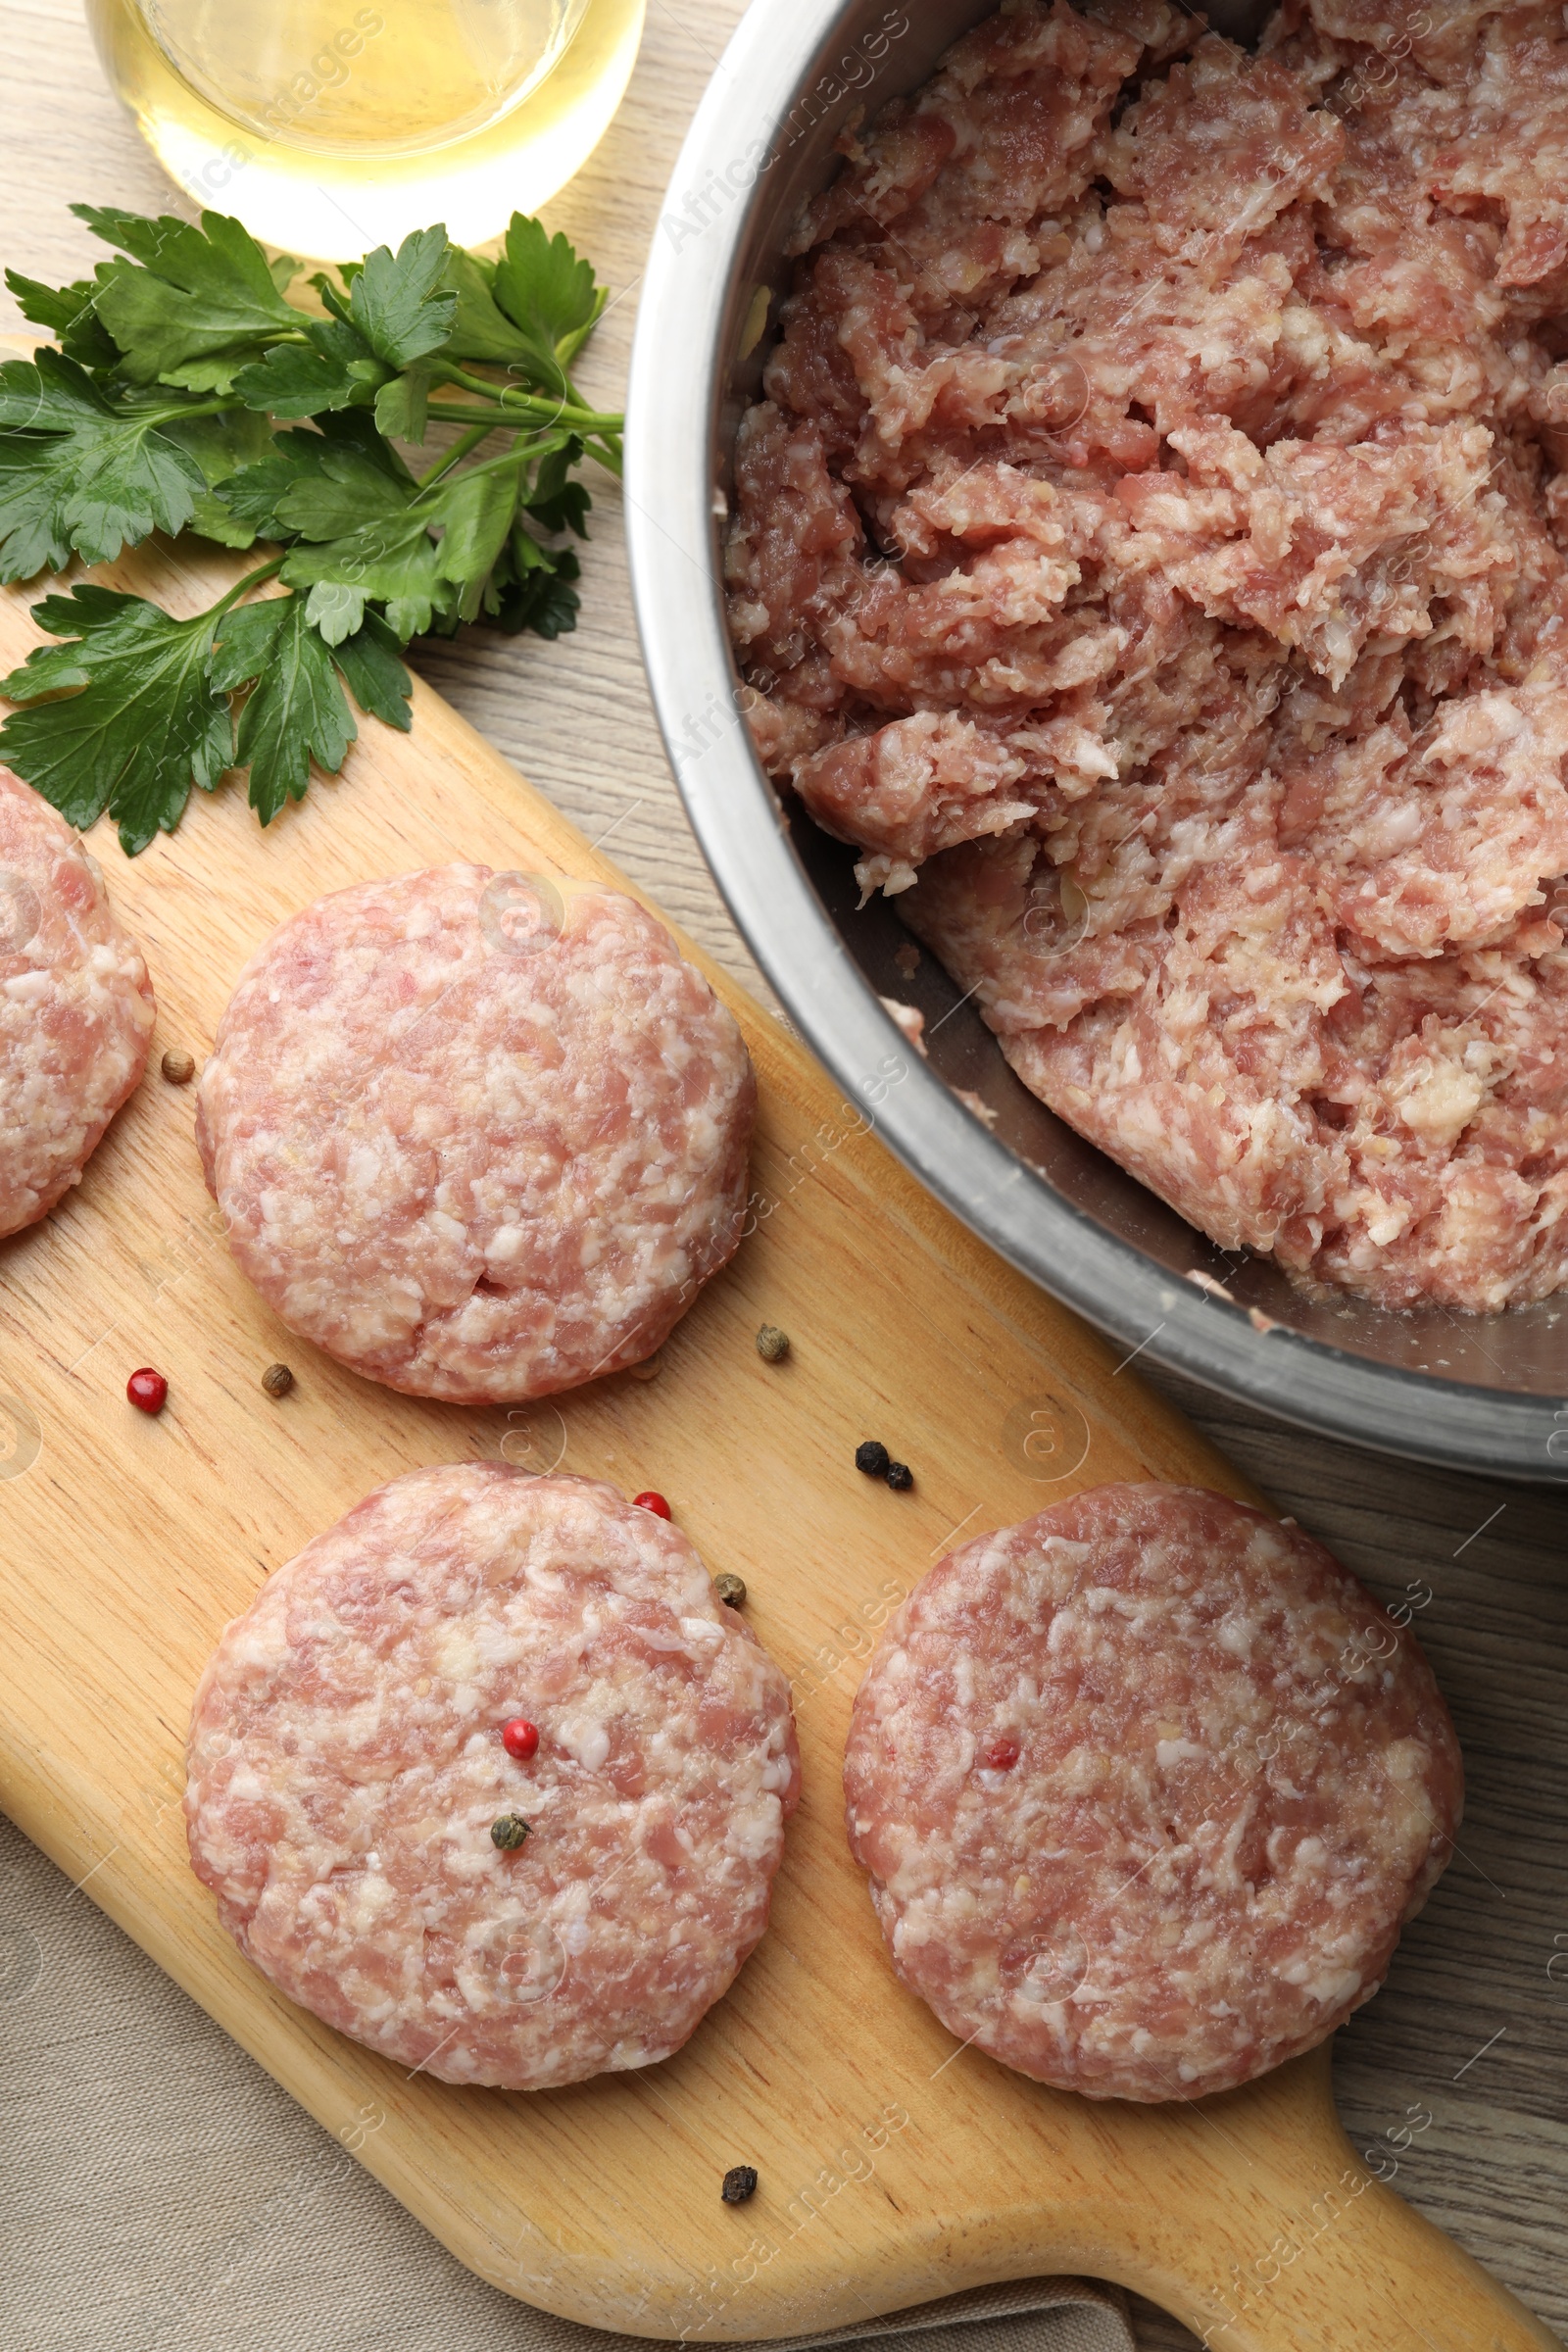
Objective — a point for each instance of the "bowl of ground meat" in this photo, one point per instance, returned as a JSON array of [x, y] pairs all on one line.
[[1099, 514]]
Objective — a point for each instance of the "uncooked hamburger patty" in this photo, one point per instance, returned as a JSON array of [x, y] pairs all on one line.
[[1151, 552], [1146, 1788], [76, 1008], [346, 1766], [476, 1138]]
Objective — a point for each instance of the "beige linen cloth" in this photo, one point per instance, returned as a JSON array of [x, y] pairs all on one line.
[[160, 2193]]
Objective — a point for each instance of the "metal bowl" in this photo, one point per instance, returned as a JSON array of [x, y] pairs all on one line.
[[1484, 1394]]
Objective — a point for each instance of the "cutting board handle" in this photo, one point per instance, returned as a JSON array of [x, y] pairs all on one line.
[[1290, 2239], [1380, 2280]]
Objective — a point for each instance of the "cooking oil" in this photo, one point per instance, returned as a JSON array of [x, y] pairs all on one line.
[[329, 129]]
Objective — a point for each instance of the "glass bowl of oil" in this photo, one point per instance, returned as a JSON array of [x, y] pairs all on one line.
[[329, 129]]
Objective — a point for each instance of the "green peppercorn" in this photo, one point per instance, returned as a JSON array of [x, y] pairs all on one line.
[[772, 1344], [730, 1589], [509, 1831]]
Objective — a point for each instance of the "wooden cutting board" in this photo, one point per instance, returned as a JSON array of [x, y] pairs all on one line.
[[895, 2165]]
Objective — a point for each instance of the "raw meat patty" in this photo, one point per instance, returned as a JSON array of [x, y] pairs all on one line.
[[1146, 1788], [478, 1138], [1149, 553], [76, 1008], [346, 1765]]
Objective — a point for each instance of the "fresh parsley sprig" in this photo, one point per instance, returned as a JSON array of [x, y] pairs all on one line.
[[187, 391]]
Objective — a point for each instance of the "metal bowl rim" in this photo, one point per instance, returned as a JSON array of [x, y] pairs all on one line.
[[688, 301]]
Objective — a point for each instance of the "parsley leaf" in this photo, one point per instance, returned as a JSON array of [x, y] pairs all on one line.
[[163, 239], [177, 363], [339, 497], [481, 329], [77, 473], [252, 494], [534, 588], [143, 706], [557, 503], [399, 303], [295, 711], [548, 293], [345, 448], [220, 446], [142, 721], [392, 560], [333, 368], [375, 677], [335, 611], [58, 308], [402, 407], [532, 311], [200, 300], [68, 312], [476, 513]]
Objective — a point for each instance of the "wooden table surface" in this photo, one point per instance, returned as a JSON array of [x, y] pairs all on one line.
[[1455, 2080]]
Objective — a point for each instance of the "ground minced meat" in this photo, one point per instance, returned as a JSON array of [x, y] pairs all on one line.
[[1149, 553], [76, 1008], [1146, 1788], [480, 1136], [346, 1770]]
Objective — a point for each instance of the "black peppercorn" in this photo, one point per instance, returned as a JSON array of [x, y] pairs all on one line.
[[900, 1478], [872, 1457], [740, 2183], [509, 1831]]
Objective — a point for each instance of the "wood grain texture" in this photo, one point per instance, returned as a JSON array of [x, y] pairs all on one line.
[[1493, 2165], [951, 2172]]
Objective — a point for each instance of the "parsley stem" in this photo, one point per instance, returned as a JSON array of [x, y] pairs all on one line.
[[463, 412], [516, 455], [605, 443], [460, 449], [252, 580], [542, 403], [200, 408]]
